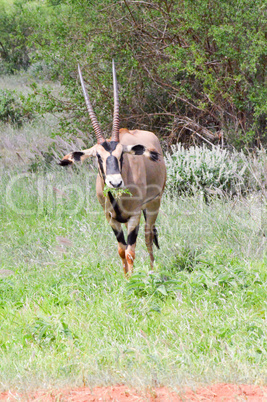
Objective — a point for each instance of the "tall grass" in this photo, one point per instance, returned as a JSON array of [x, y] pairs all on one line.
[[68, 314]]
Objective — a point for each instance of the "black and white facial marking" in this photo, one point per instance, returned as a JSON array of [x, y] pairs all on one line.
[[110, 164], [110, 159]]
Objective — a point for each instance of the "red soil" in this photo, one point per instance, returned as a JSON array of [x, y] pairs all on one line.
[[214, 393]]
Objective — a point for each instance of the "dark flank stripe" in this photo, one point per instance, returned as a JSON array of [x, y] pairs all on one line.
[[147, 201]]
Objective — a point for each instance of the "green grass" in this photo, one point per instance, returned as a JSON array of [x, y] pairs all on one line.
[[67, 314]]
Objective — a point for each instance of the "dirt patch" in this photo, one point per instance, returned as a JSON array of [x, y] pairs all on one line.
[[121, 393]]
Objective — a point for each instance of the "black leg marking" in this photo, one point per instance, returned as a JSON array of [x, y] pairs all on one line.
[[116, 208], [119, 236], [144, 213], [132, 236], [155, 232], [155, 237]]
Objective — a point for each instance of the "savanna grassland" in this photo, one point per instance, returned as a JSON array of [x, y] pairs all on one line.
[[67, 313]]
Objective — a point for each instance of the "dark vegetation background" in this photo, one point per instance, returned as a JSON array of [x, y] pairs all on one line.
[[192, 71]]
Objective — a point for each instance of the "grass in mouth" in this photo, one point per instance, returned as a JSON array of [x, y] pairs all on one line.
[[116, 192]]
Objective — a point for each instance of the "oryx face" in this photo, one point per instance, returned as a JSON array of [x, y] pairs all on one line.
[[110, 158], [109, 153]]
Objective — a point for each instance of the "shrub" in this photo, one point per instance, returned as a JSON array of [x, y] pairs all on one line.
[[10, 109], [14, 30], [214, 171], [207, 78], [41, 70], [207, 81]]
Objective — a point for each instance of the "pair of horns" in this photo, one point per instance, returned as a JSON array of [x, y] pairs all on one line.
[[116, 118]]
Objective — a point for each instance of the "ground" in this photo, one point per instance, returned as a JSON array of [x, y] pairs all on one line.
[[121, 393]]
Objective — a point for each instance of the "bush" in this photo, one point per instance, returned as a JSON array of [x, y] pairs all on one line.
[[41, 70], [14, 31], [207, 78], [192, 71], [214, 171], [12, 110]]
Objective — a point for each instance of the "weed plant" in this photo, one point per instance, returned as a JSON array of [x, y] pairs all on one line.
[[215, 171]]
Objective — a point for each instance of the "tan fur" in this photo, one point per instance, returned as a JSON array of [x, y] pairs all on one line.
[[143, 177]]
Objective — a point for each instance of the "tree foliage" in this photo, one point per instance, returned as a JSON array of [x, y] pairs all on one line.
[[14, 32], [190, 70]]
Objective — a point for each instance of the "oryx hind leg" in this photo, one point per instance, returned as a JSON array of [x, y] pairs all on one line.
[[151, 234]]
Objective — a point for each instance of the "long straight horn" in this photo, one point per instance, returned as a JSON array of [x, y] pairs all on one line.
[[116, 115], [92, 115]]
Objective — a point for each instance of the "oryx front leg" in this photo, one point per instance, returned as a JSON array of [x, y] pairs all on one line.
[[132, 228], [116, 227]]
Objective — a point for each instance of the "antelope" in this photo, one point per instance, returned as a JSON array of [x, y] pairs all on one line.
[[130, 159]]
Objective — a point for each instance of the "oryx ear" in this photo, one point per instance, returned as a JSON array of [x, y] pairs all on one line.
[[78, 156], [141, 150]]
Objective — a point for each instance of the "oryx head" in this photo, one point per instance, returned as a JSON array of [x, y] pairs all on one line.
[[110, 152]]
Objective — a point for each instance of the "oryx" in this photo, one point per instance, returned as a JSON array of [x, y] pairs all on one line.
[[130, 159]]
